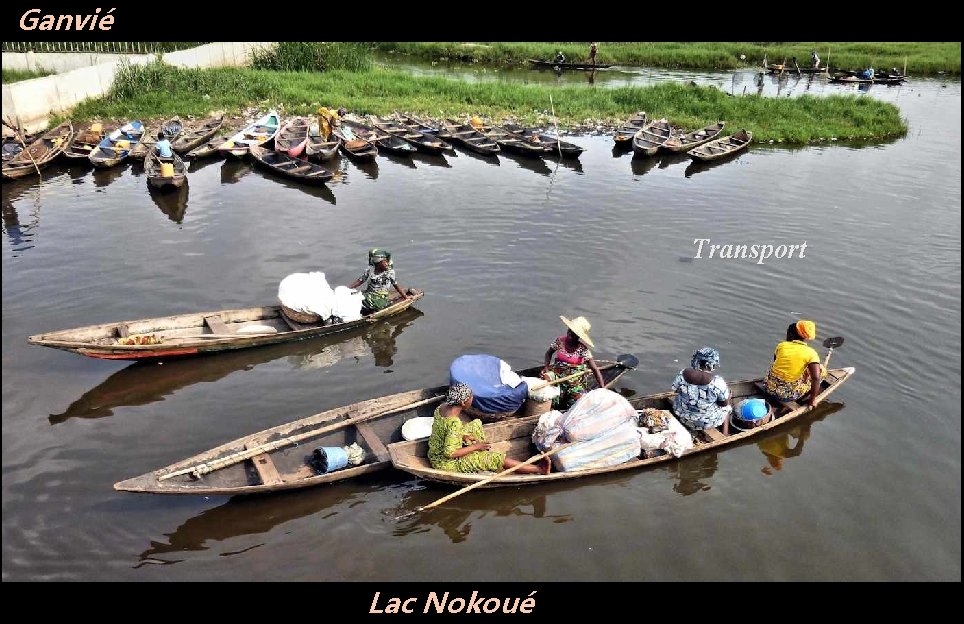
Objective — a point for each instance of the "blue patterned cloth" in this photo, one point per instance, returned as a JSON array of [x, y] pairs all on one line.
[[696, 406]]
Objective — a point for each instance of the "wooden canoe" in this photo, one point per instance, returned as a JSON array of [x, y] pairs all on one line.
[[321, 149], [854, 78], [84, 142], [551, 144], [422, 141], [155, 176], [200, 332], [292, 137], [196, 133], [108, 153], [688, 140], [580, 66], [373, 424], [721, 148], [515, 437], [649, 138], [469, 138], [260, 132], [384, 141], [790, 69], [209, 147], [285, 166], [354, 146], [419, 125], [624, 134], [514, 142], [39, 153]]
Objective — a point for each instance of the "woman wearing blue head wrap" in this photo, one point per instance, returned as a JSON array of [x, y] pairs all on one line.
[[702, 398]]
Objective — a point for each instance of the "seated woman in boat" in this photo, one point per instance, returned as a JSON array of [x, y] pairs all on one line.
[[560, 57], [458, 444], [814, 59], [163, 146], [795, 364], [380, 275], [572, 359], [702, 398]]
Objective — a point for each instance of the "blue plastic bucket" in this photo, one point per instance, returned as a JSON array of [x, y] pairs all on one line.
[[753, 409], [330, 458]]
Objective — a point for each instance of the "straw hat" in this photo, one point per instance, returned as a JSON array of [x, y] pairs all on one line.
[[579, 326]]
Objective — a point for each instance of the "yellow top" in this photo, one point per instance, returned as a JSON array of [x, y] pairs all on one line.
[[792, 359]]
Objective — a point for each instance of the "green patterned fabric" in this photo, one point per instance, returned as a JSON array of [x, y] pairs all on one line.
[[446, 438]]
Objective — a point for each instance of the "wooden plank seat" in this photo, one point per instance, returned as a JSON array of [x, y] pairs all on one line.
[[217, 325], [265, 467], [713, 434], [123, 331], [371, 439]]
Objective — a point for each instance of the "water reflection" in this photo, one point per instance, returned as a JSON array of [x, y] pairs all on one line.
[[641, 165], [172, 202], [322, 191], [20, 234], [787, 443], [143, 383], [233, 170], [665, 160], [103, 177], [536, 165], [693, 473], [246, 515], [492, 159], [434, 160], [405, 161], [455, 517], [698, 166], [369, 168], [201, 163]]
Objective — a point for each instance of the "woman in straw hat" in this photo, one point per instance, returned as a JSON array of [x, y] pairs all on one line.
[[572, 356], [795, 364], [457, 444]]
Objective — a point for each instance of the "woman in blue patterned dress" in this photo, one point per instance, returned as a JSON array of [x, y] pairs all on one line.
[[702, 398], [459, 445], [380, 275]]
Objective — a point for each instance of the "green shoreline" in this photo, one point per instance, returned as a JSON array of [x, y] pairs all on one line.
[[161, 91]]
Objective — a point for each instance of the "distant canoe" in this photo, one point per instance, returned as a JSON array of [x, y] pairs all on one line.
[[550, 143], [284, 165], [422, 141], [321, 149], [292, 137], [157, 177], [208, 148], [721, 148], [885, 79], [514, 437], [384, 141], [688, 140], [282, 458], [624, 134], [514, 142], [652, 136], [171, 129], [196, 133], [353, 146], [201, 332], [260, 133], [470, 138], [84, 142], [790, 69], [40, 153], [581, 66], [117, 145]]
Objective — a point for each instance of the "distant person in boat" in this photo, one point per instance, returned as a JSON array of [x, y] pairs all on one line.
[[573, 358], [458, 444], [560, 58], [163, 146], [379, 275], [868, 73], [795, 364], [814, 59], [702, 398], [593, 48]]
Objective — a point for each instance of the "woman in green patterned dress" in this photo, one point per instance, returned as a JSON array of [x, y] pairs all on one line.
[[458, 445]]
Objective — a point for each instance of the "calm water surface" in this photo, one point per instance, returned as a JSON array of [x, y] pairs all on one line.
[[867, 488]]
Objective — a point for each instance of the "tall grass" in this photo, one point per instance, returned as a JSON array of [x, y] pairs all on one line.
[[16, 75], [313, 56], [923, 58], [158, 90]]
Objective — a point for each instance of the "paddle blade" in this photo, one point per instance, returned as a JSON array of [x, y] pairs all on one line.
[[833, 343], [630, 361]]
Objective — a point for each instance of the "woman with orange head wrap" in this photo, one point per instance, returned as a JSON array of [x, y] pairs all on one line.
[[795, 364]]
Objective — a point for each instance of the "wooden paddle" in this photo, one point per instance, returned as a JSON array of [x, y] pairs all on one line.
[[831, 343], [626, 360], [449, 497], [228, 460]]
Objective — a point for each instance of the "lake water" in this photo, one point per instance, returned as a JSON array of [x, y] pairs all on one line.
[[866, 488]]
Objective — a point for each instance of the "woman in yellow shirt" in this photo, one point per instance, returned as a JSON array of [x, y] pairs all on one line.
[[795, 364]]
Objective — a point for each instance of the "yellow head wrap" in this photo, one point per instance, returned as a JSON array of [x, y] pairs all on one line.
[[807, 329]]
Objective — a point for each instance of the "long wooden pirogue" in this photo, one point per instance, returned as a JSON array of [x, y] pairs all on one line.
[[201, 332], [281, 458], [514, 436]]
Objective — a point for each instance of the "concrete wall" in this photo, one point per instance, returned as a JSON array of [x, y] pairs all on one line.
[[57, 62], [31, 102]]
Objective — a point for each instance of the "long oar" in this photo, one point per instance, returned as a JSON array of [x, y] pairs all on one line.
[[831, 343], [626, 360], [449, 497], [216, 464]]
